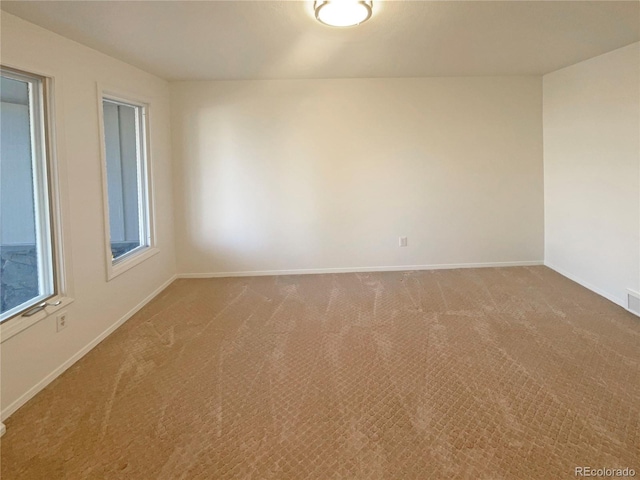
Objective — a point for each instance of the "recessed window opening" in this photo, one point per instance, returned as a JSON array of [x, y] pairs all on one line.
[[126, 178], [26, 239]]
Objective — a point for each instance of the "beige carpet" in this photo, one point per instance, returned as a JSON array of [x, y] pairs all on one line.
[[514, 373]]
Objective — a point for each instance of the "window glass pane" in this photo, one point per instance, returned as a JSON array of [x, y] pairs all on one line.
[[25, 258], [124, 177]]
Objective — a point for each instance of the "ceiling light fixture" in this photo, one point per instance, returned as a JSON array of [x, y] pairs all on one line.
[[343, 13]]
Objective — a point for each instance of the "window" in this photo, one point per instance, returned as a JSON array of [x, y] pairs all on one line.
[[127, 184], [27, 275]]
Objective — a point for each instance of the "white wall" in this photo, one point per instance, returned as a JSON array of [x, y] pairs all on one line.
[[316, 174], [592, 172], [38, 353]]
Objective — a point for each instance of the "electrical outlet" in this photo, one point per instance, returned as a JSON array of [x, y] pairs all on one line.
[[61, 321], [402, 241]]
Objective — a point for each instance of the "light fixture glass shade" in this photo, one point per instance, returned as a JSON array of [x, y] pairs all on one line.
[[343, 13]]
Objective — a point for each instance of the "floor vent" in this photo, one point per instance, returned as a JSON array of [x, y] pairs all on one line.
[[633, 302]]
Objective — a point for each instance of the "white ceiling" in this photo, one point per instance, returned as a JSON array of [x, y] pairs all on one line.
[[181, 40]]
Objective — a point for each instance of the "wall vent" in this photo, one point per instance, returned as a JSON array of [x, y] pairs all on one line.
[[633, 302]]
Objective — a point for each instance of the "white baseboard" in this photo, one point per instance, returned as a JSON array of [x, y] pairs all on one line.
[[33, 391], [3, 429], [599, 291], [397, 268]]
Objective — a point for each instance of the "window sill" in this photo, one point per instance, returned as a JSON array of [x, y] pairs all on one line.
[[113, 270], [15, 325]]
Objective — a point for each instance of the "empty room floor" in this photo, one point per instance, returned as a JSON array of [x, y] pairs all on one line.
[[501, 373]]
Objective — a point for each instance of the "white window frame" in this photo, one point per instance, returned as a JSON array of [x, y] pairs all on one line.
[[115, 267], [46, 168]]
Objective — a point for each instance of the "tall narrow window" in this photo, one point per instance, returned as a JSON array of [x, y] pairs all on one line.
[[26, 246], [126, 179]]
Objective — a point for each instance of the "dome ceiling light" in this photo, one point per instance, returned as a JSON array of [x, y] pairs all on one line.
[[343, 13]]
